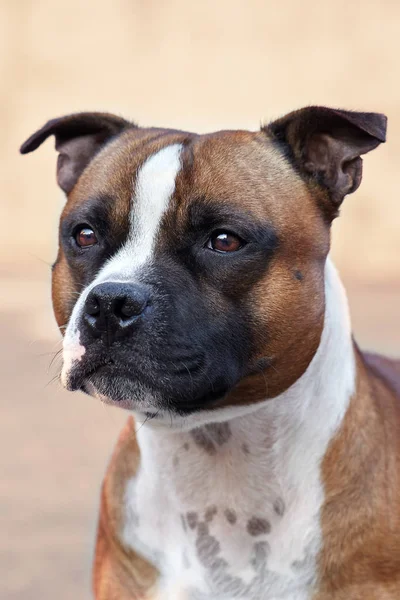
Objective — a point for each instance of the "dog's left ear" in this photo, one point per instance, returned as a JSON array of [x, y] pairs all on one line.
[[326, 144]]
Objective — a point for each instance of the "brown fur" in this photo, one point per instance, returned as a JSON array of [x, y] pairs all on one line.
[[361, 515]]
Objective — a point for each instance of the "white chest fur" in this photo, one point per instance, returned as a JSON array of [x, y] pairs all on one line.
[[231, 509]]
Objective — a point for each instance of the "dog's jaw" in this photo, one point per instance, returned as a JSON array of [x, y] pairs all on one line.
[[265, 460]]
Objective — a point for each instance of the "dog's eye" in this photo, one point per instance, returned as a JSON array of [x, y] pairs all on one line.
[[225, 241], [85, 236]]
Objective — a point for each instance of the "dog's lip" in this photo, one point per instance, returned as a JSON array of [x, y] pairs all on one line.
[[83, 380], [82, 372], [98, 362]]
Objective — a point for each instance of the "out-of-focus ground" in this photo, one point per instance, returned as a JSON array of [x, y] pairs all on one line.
[[191, 65]]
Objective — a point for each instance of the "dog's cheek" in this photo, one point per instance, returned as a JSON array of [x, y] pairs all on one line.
[[288, 324], [64, 292]]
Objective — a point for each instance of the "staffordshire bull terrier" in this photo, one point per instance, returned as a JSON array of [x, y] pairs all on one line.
[[195, 290]]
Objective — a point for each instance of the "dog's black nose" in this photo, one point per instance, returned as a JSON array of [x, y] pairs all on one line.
[[113, 309]]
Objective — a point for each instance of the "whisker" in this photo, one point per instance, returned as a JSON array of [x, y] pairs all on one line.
[[54, 379], [48, 353], [191, 377], [40, 259], [56, 355]]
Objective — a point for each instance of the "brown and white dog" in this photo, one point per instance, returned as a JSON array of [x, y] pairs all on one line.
[[195, 288]]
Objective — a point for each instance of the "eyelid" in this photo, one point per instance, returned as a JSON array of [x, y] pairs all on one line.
[[80, 226]]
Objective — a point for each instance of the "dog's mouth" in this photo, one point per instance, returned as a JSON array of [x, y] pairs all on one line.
[[125, 386], [83, 371]]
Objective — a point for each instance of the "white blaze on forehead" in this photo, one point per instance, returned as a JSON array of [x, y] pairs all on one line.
[[153, 189], [155, 185]]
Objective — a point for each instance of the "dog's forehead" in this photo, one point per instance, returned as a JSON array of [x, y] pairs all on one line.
[[240, 168]]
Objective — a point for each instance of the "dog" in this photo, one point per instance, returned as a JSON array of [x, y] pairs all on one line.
[[194, 285]]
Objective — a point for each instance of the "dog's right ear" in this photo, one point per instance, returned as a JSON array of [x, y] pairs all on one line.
[[78, 138]]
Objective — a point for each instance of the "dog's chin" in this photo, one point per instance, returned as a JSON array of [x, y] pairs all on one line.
[[123, 389], [122, 393]]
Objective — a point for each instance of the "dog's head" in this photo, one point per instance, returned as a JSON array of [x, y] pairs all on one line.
[[190, 273]]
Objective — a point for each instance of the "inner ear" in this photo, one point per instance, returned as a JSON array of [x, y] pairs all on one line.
[[78, 138], [326, 146], [74, 156], [336, 162]]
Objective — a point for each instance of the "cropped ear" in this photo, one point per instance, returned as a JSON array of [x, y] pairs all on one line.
[[78, 138], [326, 144]]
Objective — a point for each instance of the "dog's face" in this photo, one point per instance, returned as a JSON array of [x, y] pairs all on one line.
[[190, 273]]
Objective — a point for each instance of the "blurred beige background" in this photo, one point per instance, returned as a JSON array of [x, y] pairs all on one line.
[[188, 64]]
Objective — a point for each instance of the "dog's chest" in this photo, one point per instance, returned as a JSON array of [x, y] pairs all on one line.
[[221, 520]]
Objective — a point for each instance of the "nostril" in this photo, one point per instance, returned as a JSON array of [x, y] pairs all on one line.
[[92, 306], [128, 307]]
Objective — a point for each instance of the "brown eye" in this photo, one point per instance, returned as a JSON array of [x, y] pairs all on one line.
[[224, 241], [85, 237]]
